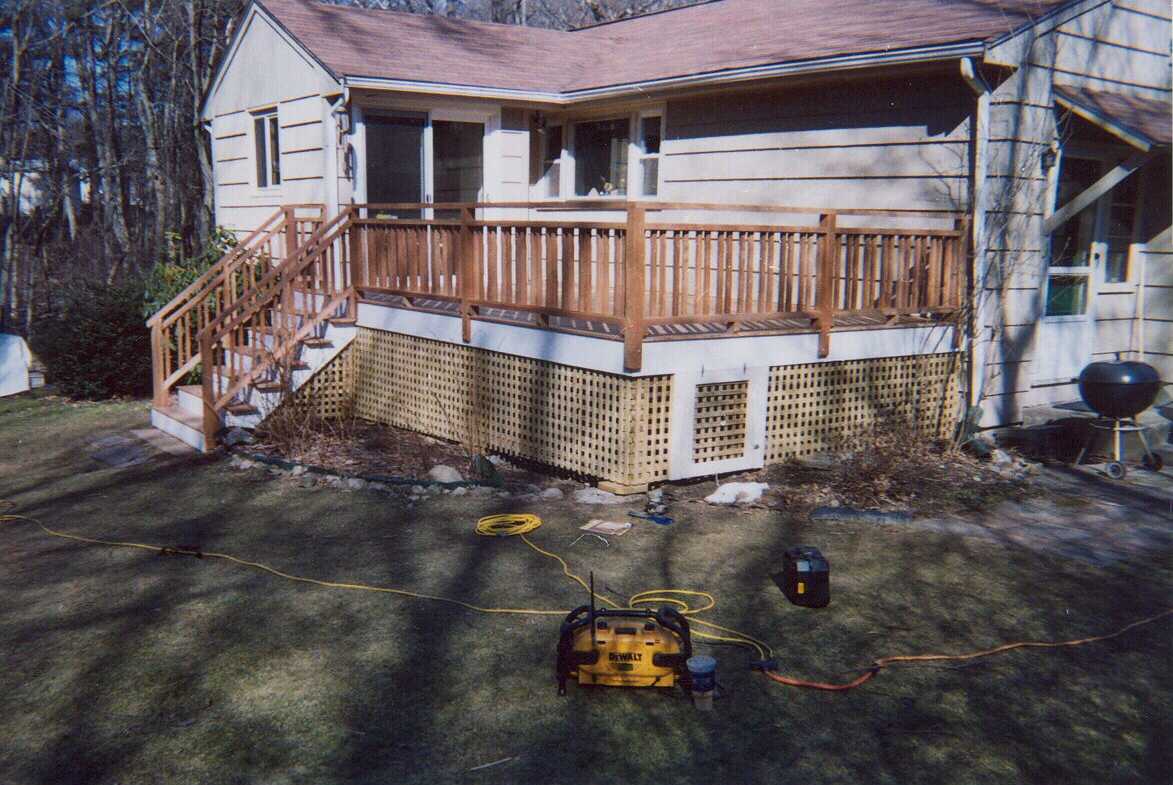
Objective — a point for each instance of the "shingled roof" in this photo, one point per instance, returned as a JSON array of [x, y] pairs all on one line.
[[706, 38]]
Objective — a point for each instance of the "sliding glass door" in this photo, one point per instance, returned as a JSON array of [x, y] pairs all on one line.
[[417, 159]]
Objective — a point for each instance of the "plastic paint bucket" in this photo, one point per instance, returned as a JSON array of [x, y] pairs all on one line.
[[703, 670]]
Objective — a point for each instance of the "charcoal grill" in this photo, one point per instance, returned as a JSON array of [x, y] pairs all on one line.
[[1118, 391]]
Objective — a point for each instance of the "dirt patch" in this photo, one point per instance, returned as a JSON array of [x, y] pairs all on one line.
[[366, 449]]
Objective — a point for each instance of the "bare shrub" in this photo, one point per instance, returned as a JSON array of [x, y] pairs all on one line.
[[893, 464]]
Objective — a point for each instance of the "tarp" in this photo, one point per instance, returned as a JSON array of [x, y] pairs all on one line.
[[14, 365]]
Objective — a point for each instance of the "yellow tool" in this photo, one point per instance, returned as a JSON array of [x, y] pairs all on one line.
[[623, 647]]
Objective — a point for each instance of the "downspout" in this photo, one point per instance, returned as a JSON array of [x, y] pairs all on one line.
[[977, 271], [331, 152]]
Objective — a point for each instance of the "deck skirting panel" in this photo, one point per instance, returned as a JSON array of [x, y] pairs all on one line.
[[630, 430]]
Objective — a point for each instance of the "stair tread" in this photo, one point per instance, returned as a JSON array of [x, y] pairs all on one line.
[[317, 342], [179, 414], [341, 320], [192, 389], [241, 408]]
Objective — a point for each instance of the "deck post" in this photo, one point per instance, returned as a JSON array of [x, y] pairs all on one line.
[[159, 394], [354, 249], [828, 256], [633, 288], [290, 230], [468, 272], [208, 394]]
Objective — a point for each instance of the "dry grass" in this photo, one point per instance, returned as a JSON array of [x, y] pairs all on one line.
[[894, 467]]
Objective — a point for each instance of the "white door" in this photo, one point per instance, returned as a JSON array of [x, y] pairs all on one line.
[[1067, 330]]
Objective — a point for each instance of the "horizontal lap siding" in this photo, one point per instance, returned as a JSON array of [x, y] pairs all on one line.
[[267, 72], [1158, 306], [876, 145]]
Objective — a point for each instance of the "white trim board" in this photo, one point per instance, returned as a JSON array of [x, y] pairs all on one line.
[[697, 356]]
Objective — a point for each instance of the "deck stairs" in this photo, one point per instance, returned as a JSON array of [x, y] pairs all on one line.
[[257, 326]]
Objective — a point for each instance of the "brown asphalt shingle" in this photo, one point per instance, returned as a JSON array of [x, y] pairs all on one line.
[[1148, 117], [705, 38]]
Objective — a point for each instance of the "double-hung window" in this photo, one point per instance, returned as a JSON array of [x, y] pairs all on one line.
[[267, 141], [550, 181], [650, 133]]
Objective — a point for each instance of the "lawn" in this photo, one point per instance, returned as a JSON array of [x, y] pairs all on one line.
[[121, 666]]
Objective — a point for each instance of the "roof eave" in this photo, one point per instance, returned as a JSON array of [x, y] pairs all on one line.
[[1109, 124], [858, 61]]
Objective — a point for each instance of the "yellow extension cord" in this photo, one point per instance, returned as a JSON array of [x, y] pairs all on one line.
[[522, 524]]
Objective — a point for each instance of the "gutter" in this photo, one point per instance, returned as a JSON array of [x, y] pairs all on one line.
[[926, 54]]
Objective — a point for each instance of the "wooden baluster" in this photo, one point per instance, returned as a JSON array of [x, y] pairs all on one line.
[[470, 272], [523, 248], [904, 264], [683, 252], [493, 293], [568, 298], [633, 299], [617, 257], [609, 284], [508, 264], [585, 281], [551, 267], [828, 257], [704, 260], [933, 285]]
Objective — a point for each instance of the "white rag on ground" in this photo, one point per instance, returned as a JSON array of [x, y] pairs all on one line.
[[14, 364], [737, 493]]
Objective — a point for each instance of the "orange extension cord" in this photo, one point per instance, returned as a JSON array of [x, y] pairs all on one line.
[[884, 662]]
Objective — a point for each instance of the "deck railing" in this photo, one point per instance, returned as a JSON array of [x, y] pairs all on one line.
[[637, 273]]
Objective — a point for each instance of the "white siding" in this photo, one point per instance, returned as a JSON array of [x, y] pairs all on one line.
[[1120, 47], [265, 70]]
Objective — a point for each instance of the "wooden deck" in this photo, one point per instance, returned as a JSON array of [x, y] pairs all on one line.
[[654, 332], [635, 280]]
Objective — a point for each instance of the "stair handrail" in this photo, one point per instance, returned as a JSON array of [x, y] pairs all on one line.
[[245, 306], [172, 355], [263, 233], [252, 301]]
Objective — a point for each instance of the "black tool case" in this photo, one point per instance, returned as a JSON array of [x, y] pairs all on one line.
[[805, 578]]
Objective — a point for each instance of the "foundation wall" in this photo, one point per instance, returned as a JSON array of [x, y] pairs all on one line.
[[631, 430]]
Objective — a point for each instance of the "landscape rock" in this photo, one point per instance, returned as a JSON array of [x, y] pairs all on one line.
[[297, 471], [235, 436], [442, 473], [551, 493], [417, 490], [596, 496], [459, 491], [737, 493], [356, 484]]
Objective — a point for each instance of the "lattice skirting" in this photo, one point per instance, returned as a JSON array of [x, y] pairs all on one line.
[[814, 408], [595, 424], [614, 427]]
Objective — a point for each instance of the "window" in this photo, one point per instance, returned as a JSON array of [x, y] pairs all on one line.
[[550, 180], [1122, 214], [650, 131], [266, 136], [600, 157]]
